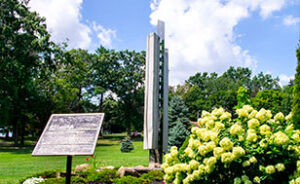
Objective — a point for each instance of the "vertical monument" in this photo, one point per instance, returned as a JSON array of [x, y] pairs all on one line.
[[156, 96]]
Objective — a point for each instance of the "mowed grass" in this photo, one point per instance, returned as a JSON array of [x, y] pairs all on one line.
[[16, 163]]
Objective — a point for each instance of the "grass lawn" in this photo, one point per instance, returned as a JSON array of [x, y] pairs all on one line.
[[18, 163]]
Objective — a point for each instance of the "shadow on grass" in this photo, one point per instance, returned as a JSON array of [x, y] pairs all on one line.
[[16, 150], [137, 139], [113, 137], [119, 138], [105, 144]]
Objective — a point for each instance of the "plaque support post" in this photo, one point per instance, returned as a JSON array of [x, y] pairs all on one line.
[[69, 168]]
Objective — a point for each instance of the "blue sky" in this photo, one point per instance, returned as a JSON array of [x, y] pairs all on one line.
[[206, 35]]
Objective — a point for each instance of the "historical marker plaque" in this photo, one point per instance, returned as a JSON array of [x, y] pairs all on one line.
[[69, 134]]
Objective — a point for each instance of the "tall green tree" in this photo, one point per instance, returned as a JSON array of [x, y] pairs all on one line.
[[262, 82], [296, 93], [122, 74], [104, 76], [26, 54], [72, 80], [130, 87]]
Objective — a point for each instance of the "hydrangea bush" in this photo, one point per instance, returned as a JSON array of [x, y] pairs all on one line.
[[255, 147]]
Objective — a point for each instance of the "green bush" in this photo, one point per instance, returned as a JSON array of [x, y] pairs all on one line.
[[126, 145], [243, 98], [130, 180], [105, 176], [154, 175], [271, 99], [78, 180], [255, 147]]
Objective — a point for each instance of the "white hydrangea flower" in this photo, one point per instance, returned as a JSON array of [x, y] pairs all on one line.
[[33, 180], [279, 117]]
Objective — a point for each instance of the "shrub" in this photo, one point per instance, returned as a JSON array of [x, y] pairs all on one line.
[[105, 176], [243, 98], [54, 181], [154, 175], [78, 180], [129, 180], [271, 99], [126, 145], [252, 148]]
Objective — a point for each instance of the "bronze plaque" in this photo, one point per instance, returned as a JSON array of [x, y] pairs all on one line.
[[69, 134]]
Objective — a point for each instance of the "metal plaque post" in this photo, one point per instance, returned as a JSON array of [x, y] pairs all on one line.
[[69, 168]]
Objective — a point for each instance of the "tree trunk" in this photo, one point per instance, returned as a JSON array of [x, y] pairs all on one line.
[[22, 132], [6, 134], [79, 108], [101, 102], [129, 131], [15, 132]]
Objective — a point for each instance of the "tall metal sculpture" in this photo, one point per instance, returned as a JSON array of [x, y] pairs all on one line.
[[156, 96]]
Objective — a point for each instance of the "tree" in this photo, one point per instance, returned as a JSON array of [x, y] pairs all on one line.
[[296, 93], [26, 55], [130, 87], [240, 76], [205, 91], [122, 74], [287, 101], [270, 99], [178, 124], [262, 82], [104, 76], [196, 101], [72, 80]]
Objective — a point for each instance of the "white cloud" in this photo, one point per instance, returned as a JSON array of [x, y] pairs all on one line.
[[104, 35], [63, 19], [284, 79], [200, 34], [290, 20]]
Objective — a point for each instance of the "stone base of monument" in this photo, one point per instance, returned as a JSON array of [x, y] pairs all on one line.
[[135, 171]]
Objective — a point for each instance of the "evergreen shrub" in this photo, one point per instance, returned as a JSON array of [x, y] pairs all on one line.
[[126, 145], [178, 123]]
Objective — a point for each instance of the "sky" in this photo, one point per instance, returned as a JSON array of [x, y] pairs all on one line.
[[201, 35]]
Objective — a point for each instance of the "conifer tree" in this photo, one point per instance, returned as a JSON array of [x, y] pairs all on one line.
[[178, 122], [296, 93], [126, 145]]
